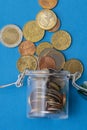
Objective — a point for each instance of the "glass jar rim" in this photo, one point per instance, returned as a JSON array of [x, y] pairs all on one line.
[[45, 73]]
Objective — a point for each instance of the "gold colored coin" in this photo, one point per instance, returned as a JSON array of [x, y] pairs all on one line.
[[11, 36], [61, 40], [46, 19], [27, 62], [42, 46], [56, 55], [32, 32], [56, 27], [73, 66], [48, 4]]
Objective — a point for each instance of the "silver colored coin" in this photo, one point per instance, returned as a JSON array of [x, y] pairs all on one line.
[[56, 55], [11, 36]]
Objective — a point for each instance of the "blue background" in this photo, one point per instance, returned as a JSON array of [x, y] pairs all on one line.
[[12, 100]]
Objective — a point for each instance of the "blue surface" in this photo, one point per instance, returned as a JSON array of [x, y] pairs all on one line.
[[12, 100]]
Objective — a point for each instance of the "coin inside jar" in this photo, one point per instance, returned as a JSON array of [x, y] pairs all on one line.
[[33, 32], [27, 62], [46, 62], [53, 85], [27, 48], [11, 36], [48, 4], [46, 19]]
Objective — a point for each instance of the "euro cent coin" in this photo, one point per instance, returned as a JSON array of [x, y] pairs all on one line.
[[46, 19], [56, 27], [27, 48], [32, 32], [56, 55], [48, 4], [47, 62], [11, 36], [42, 46], [27, 62], [61, 40], [73, 66]]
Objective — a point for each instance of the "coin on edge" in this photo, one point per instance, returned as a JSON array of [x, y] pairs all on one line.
[[46, 19], [42, 46], [27, 48], [27, 62], [48, 4], [73, 66], [46, 62], [61, 40], [11, 36], [33, 32], [56, 27]]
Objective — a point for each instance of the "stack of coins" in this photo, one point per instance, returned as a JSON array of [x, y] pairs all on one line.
[[50, 98]]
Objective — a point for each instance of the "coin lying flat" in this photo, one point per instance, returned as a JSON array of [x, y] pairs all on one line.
[[46, 19], [56, 27], [48, 4], [42, 46], [32, 32], [11, 36], [27, 62], [56, 55], [46, 62], [61, 40], [27, 48], [73, 66]]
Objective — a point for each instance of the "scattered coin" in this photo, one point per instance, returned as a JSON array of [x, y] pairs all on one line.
[[46, 62], [56, 27], [48, 4], [11, 36], [27, 48], [46, 19], [42, 46], [27, 62], [73, 66], [61, 40], [56, 55], [32, 32]]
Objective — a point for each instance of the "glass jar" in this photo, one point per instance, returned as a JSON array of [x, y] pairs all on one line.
[[47, 94]]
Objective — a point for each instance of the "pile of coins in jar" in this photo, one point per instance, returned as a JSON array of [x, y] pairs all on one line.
[[47, 55], [48, 94]]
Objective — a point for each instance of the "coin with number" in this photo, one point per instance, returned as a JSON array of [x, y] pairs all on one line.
[[46, 19], [11, 36], [56, 27], [48, 4], [61, 40], [27, 62], [42, 46], [73, 66], [27, 48], [33, 32]]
